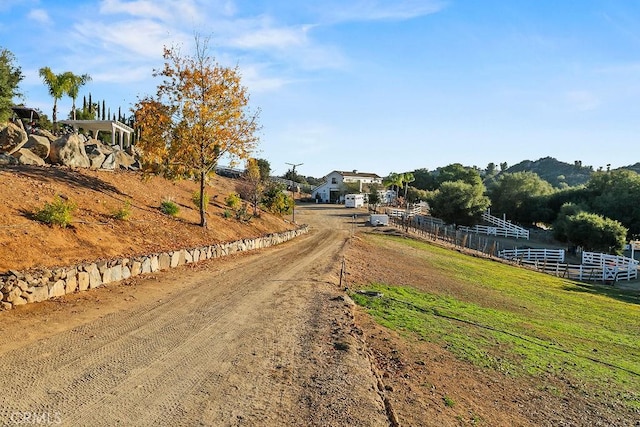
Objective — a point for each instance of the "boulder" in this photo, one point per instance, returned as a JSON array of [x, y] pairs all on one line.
[[45, 133], [97, 152], [38, 145], [69, 151], [123, 159], [7, 160], [12, 138], [26, 157], [109, 162]]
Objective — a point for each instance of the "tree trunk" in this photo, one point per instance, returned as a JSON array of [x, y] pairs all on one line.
[[55, 114], [203, 213]]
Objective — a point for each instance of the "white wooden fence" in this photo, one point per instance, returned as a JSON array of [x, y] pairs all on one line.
[[550, 255], [595, 266], [505, 228], [403, 213]]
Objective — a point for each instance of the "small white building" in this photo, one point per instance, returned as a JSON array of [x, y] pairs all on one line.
[[330, 191], [354, 200]]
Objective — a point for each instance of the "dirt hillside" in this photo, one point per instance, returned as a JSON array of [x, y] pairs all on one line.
[[94, 232]]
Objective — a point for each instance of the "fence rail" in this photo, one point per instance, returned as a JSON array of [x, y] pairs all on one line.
[[508, 227], [551, 255], [595, 266], [402, 213]]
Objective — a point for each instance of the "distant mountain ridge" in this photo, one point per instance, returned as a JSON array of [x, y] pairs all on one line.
[[560, 174]]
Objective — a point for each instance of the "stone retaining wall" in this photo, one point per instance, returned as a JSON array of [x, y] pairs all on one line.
[[22, 287]]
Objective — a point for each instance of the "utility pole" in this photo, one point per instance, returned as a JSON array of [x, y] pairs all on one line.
[[293, 193]]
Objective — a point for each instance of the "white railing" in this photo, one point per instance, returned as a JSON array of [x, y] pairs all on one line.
[[495, 231], [403, 213], [613, 267], [550, 255], [512, 229], [595, 266]]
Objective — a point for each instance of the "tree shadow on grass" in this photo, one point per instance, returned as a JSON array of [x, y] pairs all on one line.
[[628, 296], [70, 177]]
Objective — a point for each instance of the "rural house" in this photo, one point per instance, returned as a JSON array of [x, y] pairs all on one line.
[[332, 190]]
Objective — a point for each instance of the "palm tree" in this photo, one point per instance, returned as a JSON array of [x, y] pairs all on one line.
[[407, 177], [75, 83], [393, 180], [58, 85]]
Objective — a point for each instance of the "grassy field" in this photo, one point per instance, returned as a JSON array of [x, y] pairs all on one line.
[[517, 321]]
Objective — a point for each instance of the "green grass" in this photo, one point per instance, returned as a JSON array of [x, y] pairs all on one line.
[[517, 321]]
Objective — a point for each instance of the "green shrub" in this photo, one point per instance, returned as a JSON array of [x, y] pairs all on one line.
[[169, 207], [195, 198], [242, 214], [124, 212], [232, 200], [448, 402], [57, 212], [227, 213]]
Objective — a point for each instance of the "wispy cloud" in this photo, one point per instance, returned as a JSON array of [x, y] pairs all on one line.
[[128, 39], [39, 15], [374, 10], [269, 37], [164, 10], [258, 80]]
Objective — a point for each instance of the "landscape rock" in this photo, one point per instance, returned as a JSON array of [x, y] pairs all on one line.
[[83, 281], [57, 289], [38, 145], [97, 152], [69, 151], [26, 157], [109, 162], [12, 138], [7, 160], [123, 159], [37, 294], [46, 134]]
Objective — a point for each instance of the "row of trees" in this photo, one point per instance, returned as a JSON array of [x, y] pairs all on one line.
[[600, 215]]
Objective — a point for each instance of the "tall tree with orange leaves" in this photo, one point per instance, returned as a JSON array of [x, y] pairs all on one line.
[[200, 113]]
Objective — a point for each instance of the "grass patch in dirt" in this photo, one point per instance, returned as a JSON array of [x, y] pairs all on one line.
[[522, 323]]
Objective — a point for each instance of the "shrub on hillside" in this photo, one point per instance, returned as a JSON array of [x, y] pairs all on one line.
[[57, 212], [169, 207], [195, 198]]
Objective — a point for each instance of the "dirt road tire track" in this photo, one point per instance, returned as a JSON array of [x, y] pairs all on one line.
[[246, 341]]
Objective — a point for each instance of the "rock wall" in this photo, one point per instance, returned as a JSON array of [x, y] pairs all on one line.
[[23, 287]]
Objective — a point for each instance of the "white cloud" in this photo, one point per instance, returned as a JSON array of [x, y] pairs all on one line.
[[374, 10], [128, 39], [39, 15], [164, 10], [268, 37], [256, 79]]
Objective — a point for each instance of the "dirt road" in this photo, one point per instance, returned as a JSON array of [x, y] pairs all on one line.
[[256, 339]]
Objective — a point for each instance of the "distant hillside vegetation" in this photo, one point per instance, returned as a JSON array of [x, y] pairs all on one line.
[[557, 173], [635, 168]]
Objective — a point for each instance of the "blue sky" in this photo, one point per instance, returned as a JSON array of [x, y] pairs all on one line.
[[374, 85]]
